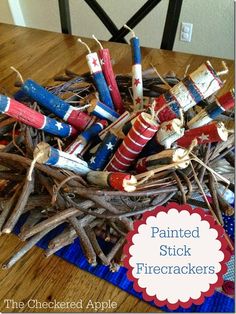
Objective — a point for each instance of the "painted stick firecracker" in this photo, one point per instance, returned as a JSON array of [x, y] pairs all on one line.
[[85, 137], [47, 155], [105, 60], [199, 85], [116, 180], [137, 81], [100, 110], [98, 77], [143, 129], [104, 152], [74, 116], [33, 118], [210, 133], [213, 110], [117, 124], [166, 157]]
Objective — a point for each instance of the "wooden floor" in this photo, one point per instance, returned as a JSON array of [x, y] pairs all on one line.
[[40, 55], [46, 279]]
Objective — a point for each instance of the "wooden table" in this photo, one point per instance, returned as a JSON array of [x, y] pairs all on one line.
[[41, 55]]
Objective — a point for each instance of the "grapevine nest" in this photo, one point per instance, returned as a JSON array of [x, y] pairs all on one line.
[[55, 196]]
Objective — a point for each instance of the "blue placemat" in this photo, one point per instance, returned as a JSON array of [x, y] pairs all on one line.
[[73, 254]]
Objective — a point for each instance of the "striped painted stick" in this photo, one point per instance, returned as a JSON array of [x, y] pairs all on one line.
[[74, 116], [35, 119]]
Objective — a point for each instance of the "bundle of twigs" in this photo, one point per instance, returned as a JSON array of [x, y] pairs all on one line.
[[53, 197]]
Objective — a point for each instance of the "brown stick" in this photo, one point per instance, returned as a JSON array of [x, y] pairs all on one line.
[[6, 122], [12, 260], [215, 202], [93, 239], [181, 188], [55, 220], [7, 205], [7, 175], [116, 248], [111, 208], [20, 205], [66, 234], [84, 241], [209, 206], [34, 217], [206, 159], [52, 250]]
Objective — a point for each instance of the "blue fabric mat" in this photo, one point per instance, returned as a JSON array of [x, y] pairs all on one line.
[[73, 254]]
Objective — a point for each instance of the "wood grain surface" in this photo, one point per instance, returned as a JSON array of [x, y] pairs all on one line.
[[41, 55]]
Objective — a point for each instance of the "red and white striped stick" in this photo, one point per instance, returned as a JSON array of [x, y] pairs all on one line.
[[143, 129], [105, 60]]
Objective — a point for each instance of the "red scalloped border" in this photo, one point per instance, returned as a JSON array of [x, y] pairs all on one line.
[[204, 216]]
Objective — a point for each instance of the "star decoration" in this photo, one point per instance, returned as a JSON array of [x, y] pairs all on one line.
[[59, 125], [169, 127], [136, 82], [95, 62], [203, 137], [138, 100], [110, 88], [110, 146], [102, 61], [92, 160]]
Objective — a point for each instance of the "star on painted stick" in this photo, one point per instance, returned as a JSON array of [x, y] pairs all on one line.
[[110, 88], [110, 146], [169, 127], [95, 62], [203, 137], [138, 100], [59, 125], [92, 160], [136, 82], [102, 61]]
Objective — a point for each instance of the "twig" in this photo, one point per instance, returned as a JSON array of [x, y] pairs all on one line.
[[19, 208], [55, 220], [9, 263]]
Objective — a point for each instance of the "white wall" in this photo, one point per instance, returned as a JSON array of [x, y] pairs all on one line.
[[213, 27], [213, 22], [5, 12]]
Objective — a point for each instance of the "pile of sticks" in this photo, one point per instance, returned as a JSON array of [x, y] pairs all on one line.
[[55, 196]]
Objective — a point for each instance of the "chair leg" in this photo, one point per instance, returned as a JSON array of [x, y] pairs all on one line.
[[101, 14], [64, 10], [135, 19], [171, 24]]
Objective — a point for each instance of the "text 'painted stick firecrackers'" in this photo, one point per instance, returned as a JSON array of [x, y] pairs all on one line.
[[141, 132], [78, 146], [105, 60], [211, 133], [197, 86], [105, 150], [100, 110], [33, 118], [213, 110], [98, 77], [116, 180], [47, 155], [137, 80], [178, 157], [74, 116]]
